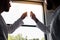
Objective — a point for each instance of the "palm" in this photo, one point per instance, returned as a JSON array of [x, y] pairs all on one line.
[[24, 15], [32, 15]]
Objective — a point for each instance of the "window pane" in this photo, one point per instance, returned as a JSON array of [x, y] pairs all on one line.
[[17, 9], [29, 32]]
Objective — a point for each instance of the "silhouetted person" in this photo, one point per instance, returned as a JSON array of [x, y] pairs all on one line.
[[53, 28], [4, 28]]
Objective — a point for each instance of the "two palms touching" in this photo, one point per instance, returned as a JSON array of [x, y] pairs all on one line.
[[32, 15]]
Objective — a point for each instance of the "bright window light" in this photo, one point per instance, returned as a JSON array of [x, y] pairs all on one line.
[[15, 12], [17, 9]]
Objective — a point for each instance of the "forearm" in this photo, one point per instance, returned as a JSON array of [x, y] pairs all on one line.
[[42, 26], [36, 20], [14, 26]]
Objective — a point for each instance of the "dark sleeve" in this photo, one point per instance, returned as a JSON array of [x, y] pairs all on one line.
[[13, 27], [44, 28]]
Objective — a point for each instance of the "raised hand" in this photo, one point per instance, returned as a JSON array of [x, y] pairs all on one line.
[[32, 15], [24, 15]]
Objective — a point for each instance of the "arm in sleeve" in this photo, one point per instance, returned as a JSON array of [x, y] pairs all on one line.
[[44, 28], [41, 26], [14, 26]]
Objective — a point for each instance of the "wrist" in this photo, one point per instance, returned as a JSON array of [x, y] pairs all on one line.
[[21, 18], [36, 20]]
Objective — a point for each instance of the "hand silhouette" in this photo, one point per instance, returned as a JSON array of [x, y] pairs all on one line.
[[24, 15]]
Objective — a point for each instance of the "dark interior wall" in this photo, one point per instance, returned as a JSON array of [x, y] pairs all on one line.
[[52, 4], [49, 4]]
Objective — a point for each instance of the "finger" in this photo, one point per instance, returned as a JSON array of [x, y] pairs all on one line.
[[24, 13], [31, 13]]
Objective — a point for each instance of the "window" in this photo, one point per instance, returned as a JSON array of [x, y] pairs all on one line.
[[16, 11]]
